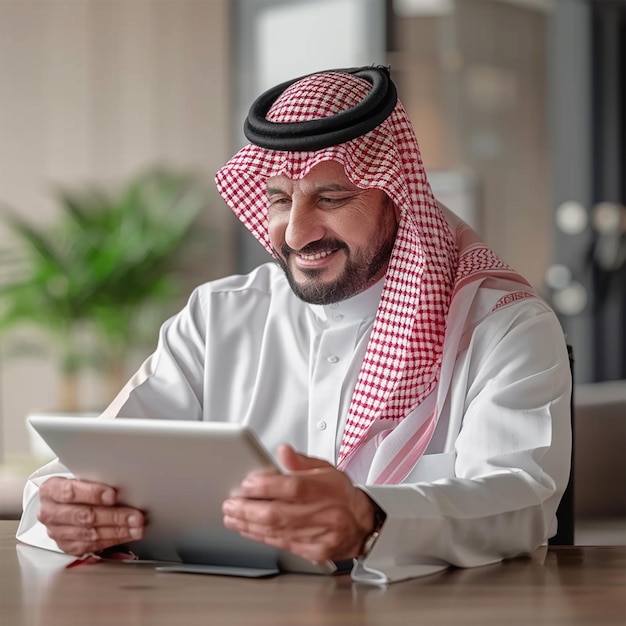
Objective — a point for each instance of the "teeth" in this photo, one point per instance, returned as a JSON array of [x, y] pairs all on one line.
[[314, 257]]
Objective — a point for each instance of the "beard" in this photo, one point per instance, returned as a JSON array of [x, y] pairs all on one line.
[[360, 272]]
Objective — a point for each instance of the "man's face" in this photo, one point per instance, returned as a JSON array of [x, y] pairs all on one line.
[[332, 239]]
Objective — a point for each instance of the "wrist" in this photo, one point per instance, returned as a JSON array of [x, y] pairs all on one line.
[[377, 519]]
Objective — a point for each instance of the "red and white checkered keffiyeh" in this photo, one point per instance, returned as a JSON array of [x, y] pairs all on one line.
[[403, 358]]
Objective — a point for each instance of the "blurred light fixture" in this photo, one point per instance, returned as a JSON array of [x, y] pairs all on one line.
[[607, 217], [609, 222], [571, 217], [558, 276], [570, 300]]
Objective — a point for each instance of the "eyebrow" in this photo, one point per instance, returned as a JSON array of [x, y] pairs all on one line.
[[270, 191]]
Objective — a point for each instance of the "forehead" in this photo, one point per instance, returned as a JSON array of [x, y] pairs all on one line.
[[325, 174]]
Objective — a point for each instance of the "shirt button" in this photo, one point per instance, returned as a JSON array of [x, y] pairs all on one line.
[[337, 316], [333, 359], [321, 425]]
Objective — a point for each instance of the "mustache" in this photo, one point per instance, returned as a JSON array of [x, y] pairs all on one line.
[[315, 246]]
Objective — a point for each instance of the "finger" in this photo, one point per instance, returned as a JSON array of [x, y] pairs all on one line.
[[271, 534], [315, 485], [272, 518], [71, 490], [242, 510], [286, 538], [330, 528], [309, 478], [248, 486], [82, 515], [78, 541], [293, 461]]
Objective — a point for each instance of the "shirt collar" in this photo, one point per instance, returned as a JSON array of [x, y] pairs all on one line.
[[361, 306]]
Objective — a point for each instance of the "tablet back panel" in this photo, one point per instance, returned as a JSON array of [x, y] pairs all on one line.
[[177, 472]]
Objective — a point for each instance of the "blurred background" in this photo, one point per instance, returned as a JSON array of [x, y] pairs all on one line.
[[118, 108]]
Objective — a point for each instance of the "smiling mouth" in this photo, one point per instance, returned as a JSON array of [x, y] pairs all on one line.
[[313, 256], [316, 256]]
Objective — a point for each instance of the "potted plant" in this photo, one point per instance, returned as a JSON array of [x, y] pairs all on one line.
[[99, 280]]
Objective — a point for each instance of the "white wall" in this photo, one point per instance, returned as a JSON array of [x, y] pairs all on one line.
[[92, 91]]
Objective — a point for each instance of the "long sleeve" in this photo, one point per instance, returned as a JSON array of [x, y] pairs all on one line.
[[168, 385], [30, 530], [511, 461]]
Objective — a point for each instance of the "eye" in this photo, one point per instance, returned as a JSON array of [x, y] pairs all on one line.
[[331, 202], [279, 202]]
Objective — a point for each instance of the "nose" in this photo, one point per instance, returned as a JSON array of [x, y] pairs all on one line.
[[304, 225]]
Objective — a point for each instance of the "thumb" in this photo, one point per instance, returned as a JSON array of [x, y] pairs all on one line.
[[293, 461]]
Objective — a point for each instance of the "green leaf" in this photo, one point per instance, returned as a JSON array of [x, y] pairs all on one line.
[[109, 262]]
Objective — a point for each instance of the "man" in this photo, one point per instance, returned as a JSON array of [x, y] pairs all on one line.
[[413, 384]]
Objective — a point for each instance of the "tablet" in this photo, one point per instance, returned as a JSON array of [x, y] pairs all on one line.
[[179, 473]]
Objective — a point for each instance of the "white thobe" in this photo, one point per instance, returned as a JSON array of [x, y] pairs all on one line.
[[245, 349]]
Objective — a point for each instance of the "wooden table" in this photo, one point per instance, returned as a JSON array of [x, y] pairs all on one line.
[[564, 586]]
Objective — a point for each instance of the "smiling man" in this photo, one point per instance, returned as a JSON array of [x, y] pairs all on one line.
[[413, 385], [332, 239]]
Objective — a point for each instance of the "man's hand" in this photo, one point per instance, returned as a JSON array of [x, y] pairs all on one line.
[[83, 516], [313, 511]]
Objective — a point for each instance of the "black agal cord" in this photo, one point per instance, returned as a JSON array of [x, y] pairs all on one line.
[[321, 133]]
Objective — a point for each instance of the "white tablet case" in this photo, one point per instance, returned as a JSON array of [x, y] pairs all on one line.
[[179, 473]]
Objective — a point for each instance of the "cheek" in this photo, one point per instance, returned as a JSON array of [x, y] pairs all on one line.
[[276, 231], [373, 231]]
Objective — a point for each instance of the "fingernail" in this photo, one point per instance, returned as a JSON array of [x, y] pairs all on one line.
[[250, 481], [133, 520], [136, 533], [108, 497]]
